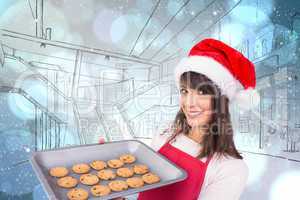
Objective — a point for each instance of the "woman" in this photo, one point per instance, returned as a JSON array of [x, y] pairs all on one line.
[[200, 140]]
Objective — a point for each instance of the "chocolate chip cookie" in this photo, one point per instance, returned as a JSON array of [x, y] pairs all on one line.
[[106, 174], [140, 169], [67, 182], [118, 185], [98, 164], [127, 158], [89, 179], [78, 194], [81, 168], [58, 172], [150, 178], [135, 182], [100, 190], [125, 172], [115, 163]]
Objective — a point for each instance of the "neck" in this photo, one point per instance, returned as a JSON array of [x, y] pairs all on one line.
[[197, 134]]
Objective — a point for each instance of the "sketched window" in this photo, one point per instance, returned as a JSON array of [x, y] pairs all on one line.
[[296, 24], [279, 40], [257, 49], [244, 122], [264, 47]]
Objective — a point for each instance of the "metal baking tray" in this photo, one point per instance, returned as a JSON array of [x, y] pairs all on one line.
[[42, 161]]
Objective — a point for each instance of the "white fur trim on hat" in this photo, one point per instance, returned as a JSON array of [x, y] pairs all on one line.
[[221, 76], [247, 99]]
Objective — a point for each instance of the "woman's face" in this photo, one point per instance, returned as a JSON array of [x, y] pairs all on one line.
[[197, 107]]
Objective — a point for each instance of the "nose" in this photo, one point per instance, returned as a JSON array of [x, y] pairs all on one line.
[[191, 101], [191, 106]]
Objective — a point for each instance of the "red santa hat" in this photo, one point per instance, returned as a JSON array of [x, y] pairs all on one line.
[[233, 73]]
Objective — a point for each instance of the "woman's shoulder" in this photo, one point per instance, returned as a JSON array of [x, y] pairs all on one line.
[[229, 165], [226, 178]]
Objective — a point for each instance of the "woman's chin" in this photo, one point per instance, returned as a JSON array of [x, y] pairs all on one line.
[[194, 122]]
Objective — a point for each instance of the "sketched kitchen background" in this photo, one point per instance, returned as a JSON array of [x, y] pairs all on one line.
[[74, 71]]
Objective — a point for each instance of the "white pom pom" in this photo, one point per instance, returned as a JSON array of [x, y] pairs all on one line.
[[247, 99]]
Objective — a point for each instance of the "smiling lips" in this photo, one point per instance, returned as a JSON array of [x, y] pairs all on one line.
[[194, 114]]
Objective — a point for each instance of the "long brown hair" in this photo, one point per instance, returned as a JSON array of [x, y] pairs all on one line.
[[219, 138]]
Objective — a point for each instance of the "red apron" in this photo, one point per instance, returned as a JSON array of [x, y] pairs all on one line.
[[190, 188]]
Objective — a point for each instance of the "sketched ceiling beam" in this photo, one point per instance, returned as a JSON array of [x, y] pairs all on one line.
[[176, 54], [147, 22], [165, 26], [63, 58], [39, 75], [73, 60], [66, 45], [218, 20], [183, 28], [39, 18], [31, 10]]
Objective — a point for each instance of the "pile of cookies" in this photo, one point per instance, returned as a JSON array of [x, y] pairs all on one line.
[[104, 171]]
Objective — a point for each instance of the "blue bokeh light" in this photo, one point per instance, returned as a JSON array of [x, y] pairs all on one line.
[[286, 186], [118, 29], [4, 5], [20, 106], [249, 15]]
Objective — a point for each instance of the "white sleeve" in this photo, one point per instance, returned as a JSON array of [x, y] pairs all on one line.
[[228, 183], [158, 141], [160, 137]]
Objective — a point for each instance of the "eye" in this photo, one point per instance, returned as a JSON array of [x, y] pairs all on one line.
[[200, 92], [183, 91]]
